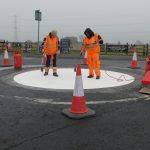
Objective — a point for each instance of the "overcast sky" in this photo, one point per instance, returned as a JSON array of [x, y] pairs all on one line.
[[115, 20]]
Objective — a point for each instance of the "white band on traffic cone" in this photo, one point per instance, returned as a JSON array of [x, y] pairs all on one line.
[[78, 88], [5, 54], [134, 56]]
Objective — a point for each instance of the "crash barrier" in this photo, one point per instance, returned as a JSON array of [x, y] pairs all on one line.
[[117, 48], [142, 50]]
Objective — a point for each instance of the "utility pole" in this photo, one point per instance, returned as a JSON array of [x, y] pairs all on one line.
[[38, 17], [15, 30]]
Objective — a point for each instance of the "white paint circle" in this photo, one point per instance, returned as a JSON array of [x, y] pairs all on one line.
[[66, 79]]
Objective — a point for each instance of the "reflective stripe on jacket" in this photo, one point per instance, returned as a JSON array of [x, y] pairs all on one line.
[[91, 45], [51, 45]]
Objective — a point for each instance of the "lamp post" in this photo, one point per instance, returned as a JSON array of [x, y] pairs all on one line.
[[38, 17]]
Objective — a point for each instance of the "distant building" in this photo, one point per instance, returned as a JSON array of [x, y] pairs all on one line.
[[74, 43], [72, 39], [2, 41]]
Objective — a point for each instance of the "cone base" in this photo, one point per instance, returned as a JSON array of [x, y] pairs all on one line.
[[89, 113], [18, 69], [145, 90]]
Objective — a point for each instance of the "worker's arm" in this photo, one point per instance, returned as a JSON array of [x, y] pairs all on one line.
[[100, 40], [44, 45], [58, 47], [83, 48]]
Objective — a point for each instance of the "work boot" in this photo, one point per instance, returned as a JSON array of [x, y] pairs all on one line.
[[97, 77], [55, 74], [90, 76], [46, 73]]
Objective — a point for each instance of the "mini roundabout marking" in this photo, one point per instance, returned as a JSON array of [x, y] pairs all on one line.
[[66, 80]]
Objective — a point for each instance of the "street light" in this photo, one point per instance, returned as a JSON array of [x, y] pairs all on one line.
[[38, 17]]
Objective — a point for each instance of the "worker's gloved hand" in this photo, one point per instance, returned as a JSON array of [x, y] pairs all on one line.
[[58, 52], [44, 55], [80, 53]]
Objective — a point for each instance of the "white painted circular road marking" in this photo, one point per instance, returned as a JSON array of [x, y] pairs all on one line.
[[66, 79]]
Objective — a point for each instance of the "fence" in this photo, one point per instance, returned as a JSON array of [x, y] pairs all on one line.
[[23, 47], [109, 49], [126, 49]]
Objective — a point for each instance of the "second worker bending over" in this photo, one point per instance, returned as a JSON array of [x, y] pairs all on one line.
[[91, 44]]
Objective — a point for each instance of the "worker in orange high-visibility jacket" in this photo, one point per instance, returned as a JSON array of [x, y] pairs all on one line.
[[51, 49], [91, 44]]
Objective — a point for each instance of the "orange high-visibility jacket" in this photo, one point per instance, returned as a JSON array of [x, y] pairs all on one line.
[[51, 45], [91, 45]]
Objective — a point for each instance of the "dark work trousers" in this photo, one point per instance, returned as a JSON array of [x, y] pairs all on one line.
[[49, 60]]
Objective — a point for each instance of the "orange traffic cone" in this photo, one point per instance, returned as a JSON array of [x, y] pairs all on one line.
[[134, 64], [147, 64], [85, 58], [78, 109], [6, 59], [146, 83], [146, 79], [6, 62]]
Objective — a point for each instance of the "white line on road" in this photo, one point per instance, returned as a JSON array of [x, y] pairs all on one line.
[[147, 99], [52, 102], [24, 66]]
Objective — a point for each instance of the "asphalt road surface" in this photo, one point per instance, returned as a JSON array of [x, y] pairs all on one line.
[[31, 118]]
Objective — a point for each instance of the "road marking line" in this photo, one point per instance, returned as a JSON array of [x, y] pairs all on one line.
[[51, 101], [147, 99], [24, 66]]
